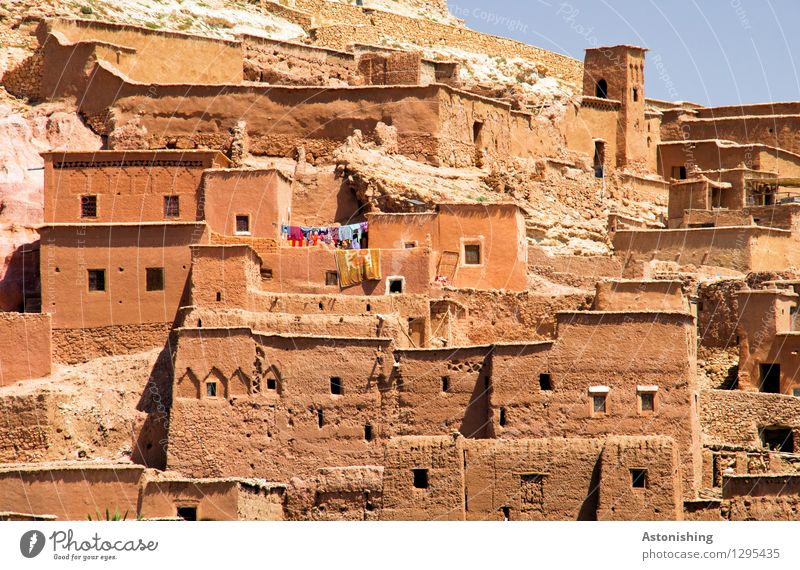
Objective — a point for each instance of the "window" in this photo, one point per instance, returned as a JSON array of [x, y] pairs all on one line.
[[172, 208], [472, 254], [770, 378], [97, 280], [545, 382], [477, 131], [368, 432], [337, 388], [410, 245], [639, 478], [599, 158], [796, 392], [320, 417], [601, 89], [420, 478], [395, 285], [502, 419], [778, 439], [266, 273], [88, 206], [647, 401], [187, 513], [532, 492], [445, 383], [635, 93], [599, 403], [242, 224], [155, 278], [331, 278], [679, 172], [211, 389], [272, 384]]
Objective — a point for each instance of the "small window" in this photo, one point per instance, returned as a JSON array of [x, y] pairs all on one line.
[[97, 280], [635, 93], [545, 381], [601, 89], [472, 254], [599, 403], [502, 419], [331, 278], [647, 401], [337, 389], [155, 278], [219, 296], [211, 389], [639, 478], [266, 273], [88, 206], [796, 392], [679, 172], [395, 286], [368, 432], [445, 383], [172, 208], [770, 378], [420, 478], [320, 417], [410, 245], [272, 384], [778, 439], [242, 224], [187, 513]]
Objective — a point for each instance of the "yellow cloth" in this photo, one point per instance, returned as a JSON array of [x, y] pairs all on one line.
[[357, 265]]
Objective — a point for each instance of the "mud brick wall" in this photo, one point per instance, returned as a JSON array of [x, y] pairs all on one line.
[[71, 346], [24, 347]]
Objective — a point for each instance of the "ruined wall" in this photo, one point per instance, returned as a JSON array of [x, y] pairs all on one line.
[[70, 492], [394, 68], [639, 296], [24, 347], [288, 63], [734, 417], [124, 252], [718, 312]]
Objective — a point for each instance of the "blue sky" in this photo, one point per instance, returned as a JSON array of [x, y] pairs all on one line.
[[712, 52]]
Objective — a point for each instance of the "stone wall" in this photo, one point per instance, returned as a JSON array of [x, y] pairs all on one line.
[[74, 345], [25, 350]]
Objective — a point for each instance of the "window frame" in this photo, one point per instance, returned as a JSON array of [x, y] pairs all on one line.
[[168, 205], [236, 230], [151, 271], [102, 273], [83, 204], [472, 242]]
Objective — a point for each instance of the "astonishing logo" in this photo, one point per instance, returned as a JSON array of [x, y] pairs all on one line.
[[31, 543]]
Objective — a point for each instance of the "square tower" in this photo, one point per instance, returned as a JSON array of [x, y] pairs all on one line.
[[617, 73]]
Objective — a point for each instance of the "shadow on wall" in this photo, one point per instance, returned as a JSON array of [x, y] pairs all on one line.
[[477, 424], [20, 287], [151, 442]]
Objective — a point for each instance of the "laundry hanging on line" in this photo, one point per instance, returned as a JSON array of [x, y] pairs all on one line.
[[345, 237]]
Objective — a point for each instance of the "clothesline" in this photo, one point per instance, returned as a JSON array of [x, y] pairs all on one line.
[[344, 237]]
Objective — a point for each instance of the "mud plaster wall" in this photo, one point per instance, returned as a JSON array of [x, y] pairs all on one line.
[[213, 501], [25, 427], [74, 345], [129, 187], [278, 434], [199, 59], [124, 252], [594, 349], [24, 347], [591, 120], [262, 195], [640, 295], [70, 493], [743, 130]]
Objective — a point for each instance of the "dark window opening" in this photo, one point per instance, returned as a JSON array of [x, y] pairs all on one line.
[[331, 278], [502, 417], [336, 386], [369, 307], [545, 381], [211, 389], [420, 478], [155, 278], [639, 478], [506, 513], [172, 208], [395, 286], [266, 273], [97, 280], [187, 513], [219, 296], [368, 432], [648, 401], [320, 417], [679, 172], [88, 206], [599, 158], [599, 404], [770, 378], [242, 224], [409, 245], [778, 439], [472, 254], [635, 93], [601, 89], [272, 384], [445, 383], [477, 131]]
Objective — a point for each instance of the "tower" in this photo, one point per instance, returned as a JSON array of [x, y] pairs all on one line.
[[617, 73]]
